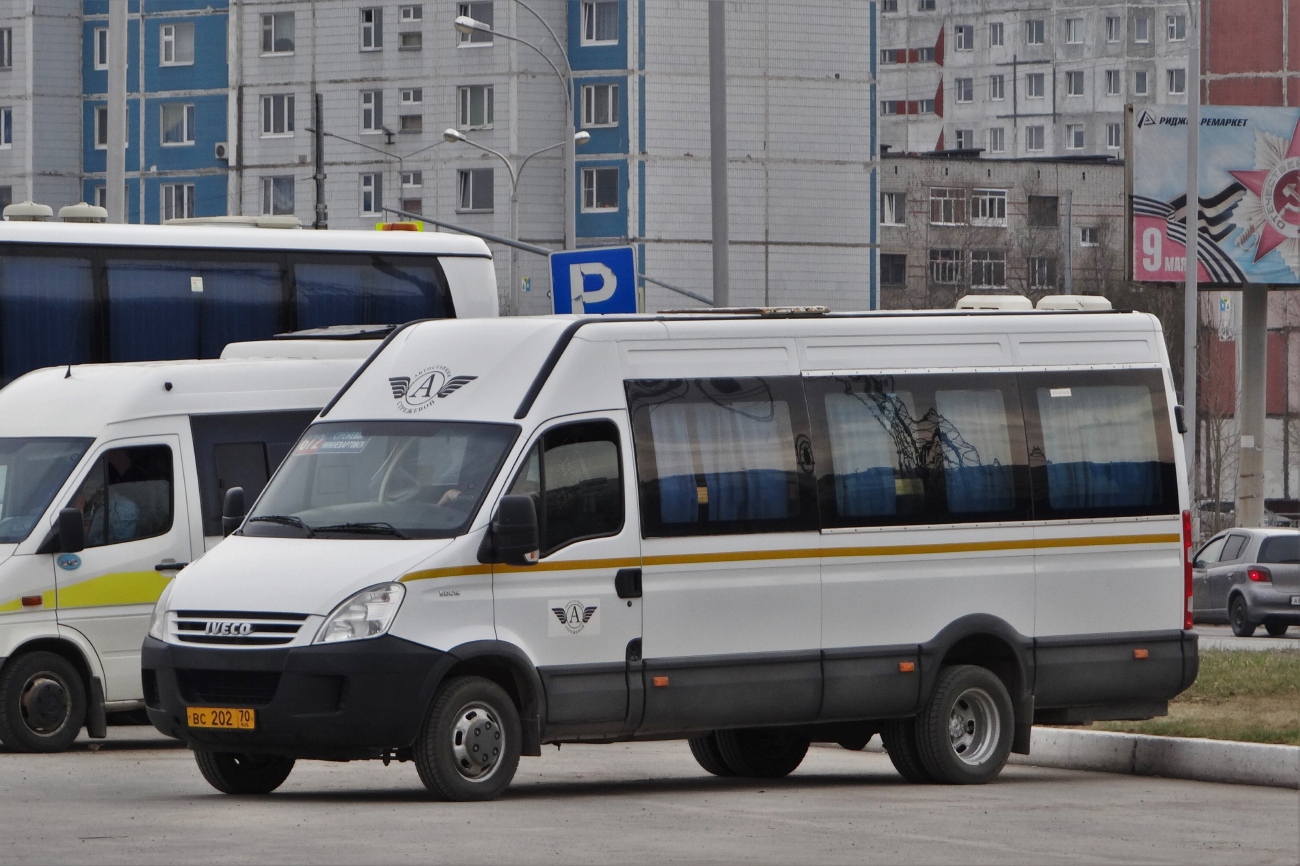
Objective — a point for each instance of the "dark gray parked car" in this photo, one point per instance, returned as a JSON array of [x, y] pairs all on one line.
[[1248, 578]]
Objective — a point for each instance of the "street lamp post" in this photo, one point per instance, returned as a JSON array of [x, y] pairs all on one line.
[[465, 24], [455, 136], [388, 153]]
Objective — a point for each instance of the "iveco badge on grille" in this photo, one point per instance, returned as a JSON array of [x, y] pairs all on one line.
[[228, 627]]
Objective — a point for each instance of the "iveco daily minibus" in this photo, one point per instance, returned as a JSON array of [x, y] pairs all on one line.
[[751, 532]]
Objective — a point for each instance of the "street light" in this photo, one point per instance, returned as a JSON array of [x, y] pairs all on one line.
[[465, 24], [397, 156], [455, 136]]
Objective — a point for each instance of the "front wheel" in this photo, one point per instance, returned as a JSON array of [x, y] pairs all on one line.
[[236, 773], [1276, 629], [964, 733], [1241, 624], [469, 746], [42, 703], [762, 753]]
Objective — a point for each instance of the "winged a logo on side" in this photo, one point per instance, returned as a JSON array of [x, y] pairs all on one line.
[[575, 616], [454, 384], [399, 385]]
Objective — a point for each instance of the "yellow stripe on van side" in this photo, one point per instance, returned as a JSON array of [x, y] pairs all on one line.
[[572, 565], [124, 587], [450, 571], [16, 605]]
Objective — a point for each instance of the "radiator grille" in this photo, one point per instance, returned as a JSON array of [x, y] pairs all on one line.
[[236, 628]]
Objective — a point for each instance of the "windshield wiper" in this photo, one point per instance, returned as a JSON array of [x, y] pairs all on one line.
[[372, 528], [285, 520]]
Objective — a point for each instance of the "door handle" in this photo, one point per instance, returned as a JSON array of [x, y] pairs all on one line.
[[627, 583], [170, 566]]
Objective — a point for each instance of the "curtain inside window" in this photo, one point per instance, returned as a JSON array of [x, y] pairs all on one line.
[[860, 428], [382, 292], [1100, 446], [46, 313], [975, 449]]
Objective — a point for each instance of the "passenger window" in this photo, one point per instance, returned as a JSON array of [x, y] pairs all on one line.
[[574, 475], [918, 449], [1280, 550], [1102, 445], [1232, 550], [127, 495], [719, 456], [1209, 554]]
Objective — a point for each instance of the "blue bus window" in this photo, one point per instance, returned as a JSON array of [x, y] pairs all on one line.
[[46, 312], [384, 291]]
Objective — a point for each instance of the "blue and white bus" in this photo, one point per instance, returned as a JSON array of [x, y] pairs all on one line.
[[86, 293]]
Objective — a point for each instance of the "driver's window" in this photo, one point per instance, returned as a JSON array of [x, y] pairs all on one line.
[[127, 495], [574, 474], [1209, 553]]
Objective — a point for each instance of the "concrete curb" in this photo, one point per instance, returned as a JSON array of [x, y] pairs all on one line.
[[1225, 761]]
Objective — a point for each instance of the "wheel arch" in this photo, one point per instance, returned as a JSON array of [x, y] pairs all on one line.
[[509, 667], [60, 646]]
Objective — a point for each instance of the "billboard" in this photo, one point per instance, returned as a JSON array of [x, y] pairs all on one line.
[[1249, 196]]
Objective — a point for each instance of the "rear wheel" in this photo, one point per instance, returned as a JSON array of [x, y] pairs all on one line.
[[235, 773], [469, 747], [964, 733], [708, 755], [1276, 629], [899, 739], [42, 703], [762, 753], [1241, 624]]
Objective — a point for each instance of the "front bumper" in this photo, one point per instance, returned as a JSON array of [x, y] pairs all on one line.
[[333, 701]]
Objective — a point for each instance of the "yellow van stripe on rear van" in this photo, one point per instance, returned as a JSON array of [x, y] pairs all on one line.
[[123, 587], [804, 553]]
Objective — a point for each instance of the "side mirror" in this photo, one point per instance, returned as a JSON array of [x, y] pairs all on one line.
[[232, 510], [72, 530], [514, 534]]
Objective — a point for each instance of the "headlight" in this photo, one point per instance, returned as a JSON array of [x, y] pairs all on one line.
[[369, 613], [158, 623]]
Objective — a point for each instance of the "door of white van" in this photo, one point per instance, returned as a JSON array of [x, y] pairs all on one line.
[[136, 519], [577, 612]]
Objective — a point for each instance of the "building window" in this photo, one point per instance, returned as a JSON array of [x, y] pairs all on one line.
[[1176, 25], [924, 5], [177, 123], [101, 47], [177, 44], [1042, 272], [101, 127], [1140, 82], [372, 193], [101, 196], [600, 105], [945, 266], [6, 127], [1141, 30], [412, 191], [997, 140], [1074, 136], [965, 90], [476, 106], [995, 34], [1035, 32], [965, 139], [890, 107], [964, 37], [372, 29], [988, 269], [599, 189], [924, 106], [277, 114], [410, 123], [599, 22], [277, 195], [893, 269], [1112, 82], [988, 207], [480, 12], [177, 201], [1035, 85], [925, 55], [1073, 31], [1089, 236], [889, 6], [1074, 83], [412, 95], [277, 33], [893, 208], [1114, 138], [889, 56], [6, 48], [1112, 28], [410, 40], [372, 111], [997, 87], [1175, 81], [1034, 138], [1042, 211], [410, 14], [475, 189], [947, 206]]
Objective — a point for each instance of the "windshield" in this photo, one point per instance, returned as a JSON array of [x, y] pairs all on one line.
[[382, 479], [31, 472]]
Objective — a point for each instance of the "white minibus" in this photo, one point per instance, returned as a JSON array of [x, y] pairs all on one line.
[[112, 479], [751, 532]]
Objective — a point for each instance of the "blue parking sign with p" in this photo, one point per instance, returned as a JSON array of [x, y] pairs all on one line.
[[599, 280]]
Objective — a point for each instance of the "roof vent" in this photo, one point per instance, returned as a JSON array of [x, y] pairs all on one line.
[[1074, 302], [994, 302], [28, 211], [83, 213]]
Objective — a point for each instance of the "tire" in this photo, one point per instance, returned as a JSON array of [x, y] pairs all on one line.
[[708, 755], [762, 753], [42, 703], [469, 746], [898, 736], [1237, 616], [1276, 629], [964, 733], [234, 773]]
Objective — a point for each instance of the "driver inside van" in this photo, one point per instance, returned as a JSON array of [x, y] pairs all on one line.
[[123, 514]]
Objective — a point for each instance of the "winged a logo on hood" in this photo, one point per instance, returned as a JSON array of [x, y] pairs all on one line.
[[417, 392], [399, 384]]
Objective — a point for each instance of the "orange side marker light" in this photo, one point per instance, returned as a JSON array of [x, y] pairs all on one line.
[[32, 601], [906, 667], [660, 682], [1140, 653]]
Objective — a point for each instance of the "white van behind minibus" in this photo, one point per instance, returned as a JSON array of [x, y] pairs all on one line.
[[752, 532]]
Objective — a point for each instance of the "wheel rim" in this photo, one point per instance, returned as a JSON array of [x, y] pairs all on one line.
[[477, 741], [46, 703], [974, 726], [1238, 614]]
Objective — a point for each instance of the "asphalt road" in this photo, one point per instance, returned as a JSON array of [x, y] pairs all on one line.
[[140, 799], [1221, 637]]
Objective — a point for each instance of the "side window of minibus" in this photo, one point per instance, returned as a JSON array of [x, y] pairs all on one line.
[[127, 495], [574, 474]]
